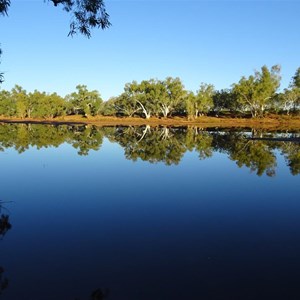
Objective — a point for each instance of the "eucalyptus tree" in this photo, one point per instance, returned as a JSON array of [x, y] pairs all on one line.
[[126, 104], [290, 99], [7, 104], [295, 88], [172, 94], [255, 92], [135, 98], [47, 105], [200, 103], [85, 102], [108, 108], [225, 100], [23, 104], [296, 79]]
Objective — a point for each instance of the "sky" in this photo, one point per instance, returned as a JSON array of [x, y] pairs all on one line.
[[214, 42]]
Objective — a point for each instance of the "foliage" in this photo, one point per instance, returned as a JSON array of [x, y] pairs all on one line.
[[225, 100], [161, 98], [201, 102], [84, 102], [296, 79], [255, 92], [4, 5]]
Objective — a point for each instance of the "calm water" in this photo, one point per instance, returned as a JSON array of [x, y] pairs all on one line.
[[140, 213]]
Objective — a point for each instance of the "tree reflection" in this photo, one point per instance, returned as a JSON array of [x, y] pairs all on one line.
[[255, 155], [3, 281], [291, 152], [159, 144], [98, 294], [5, 225], [254, 149], [23, 136]]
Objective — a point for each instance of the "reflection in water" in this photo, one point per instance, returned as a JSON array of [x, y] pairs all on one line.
[[252, 149], [3, 281], [4, 227], [98, 294]]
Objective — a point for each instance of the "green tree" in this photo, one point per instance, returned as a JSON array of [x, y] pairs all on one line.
[[171, 94], [290, 99], [255, 92], [46, 106], [296, 79], [7, 105], [19, 96], [201, 103], [225, 100], [85, 102], [108, 107], [126, 104], [138, 94]]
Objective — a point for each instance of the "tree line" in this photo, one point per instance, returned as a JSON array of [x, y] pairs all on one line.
[[165, 145], [255, 96]]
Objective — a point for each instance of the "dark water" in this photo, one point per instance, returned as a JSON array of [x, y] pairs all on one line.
[[139, 213]]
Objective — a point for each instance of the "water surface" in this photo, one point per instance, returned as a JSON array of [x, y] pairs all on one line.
[[149, 213]]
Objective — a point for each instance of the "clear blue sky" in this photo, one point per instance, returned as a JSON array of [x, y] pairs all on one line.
[[199, 41]]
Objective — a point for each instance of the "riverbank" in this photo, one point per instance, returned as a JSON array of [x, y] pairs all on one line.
[[270, 122]]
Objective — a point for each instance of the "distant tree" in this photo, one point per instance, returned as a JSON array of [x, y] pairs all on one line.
[[173, 93], [225, 100], [126, 104], [202, 102], [23, 106], [296, 79], [137, 97], [85, 102], [108, 107], [46, 106], [7, 105], [255, 92], [289, 99]]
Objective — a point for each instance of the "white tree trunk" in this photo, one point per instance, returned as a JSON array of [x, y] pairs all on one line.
[[147, 114]]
